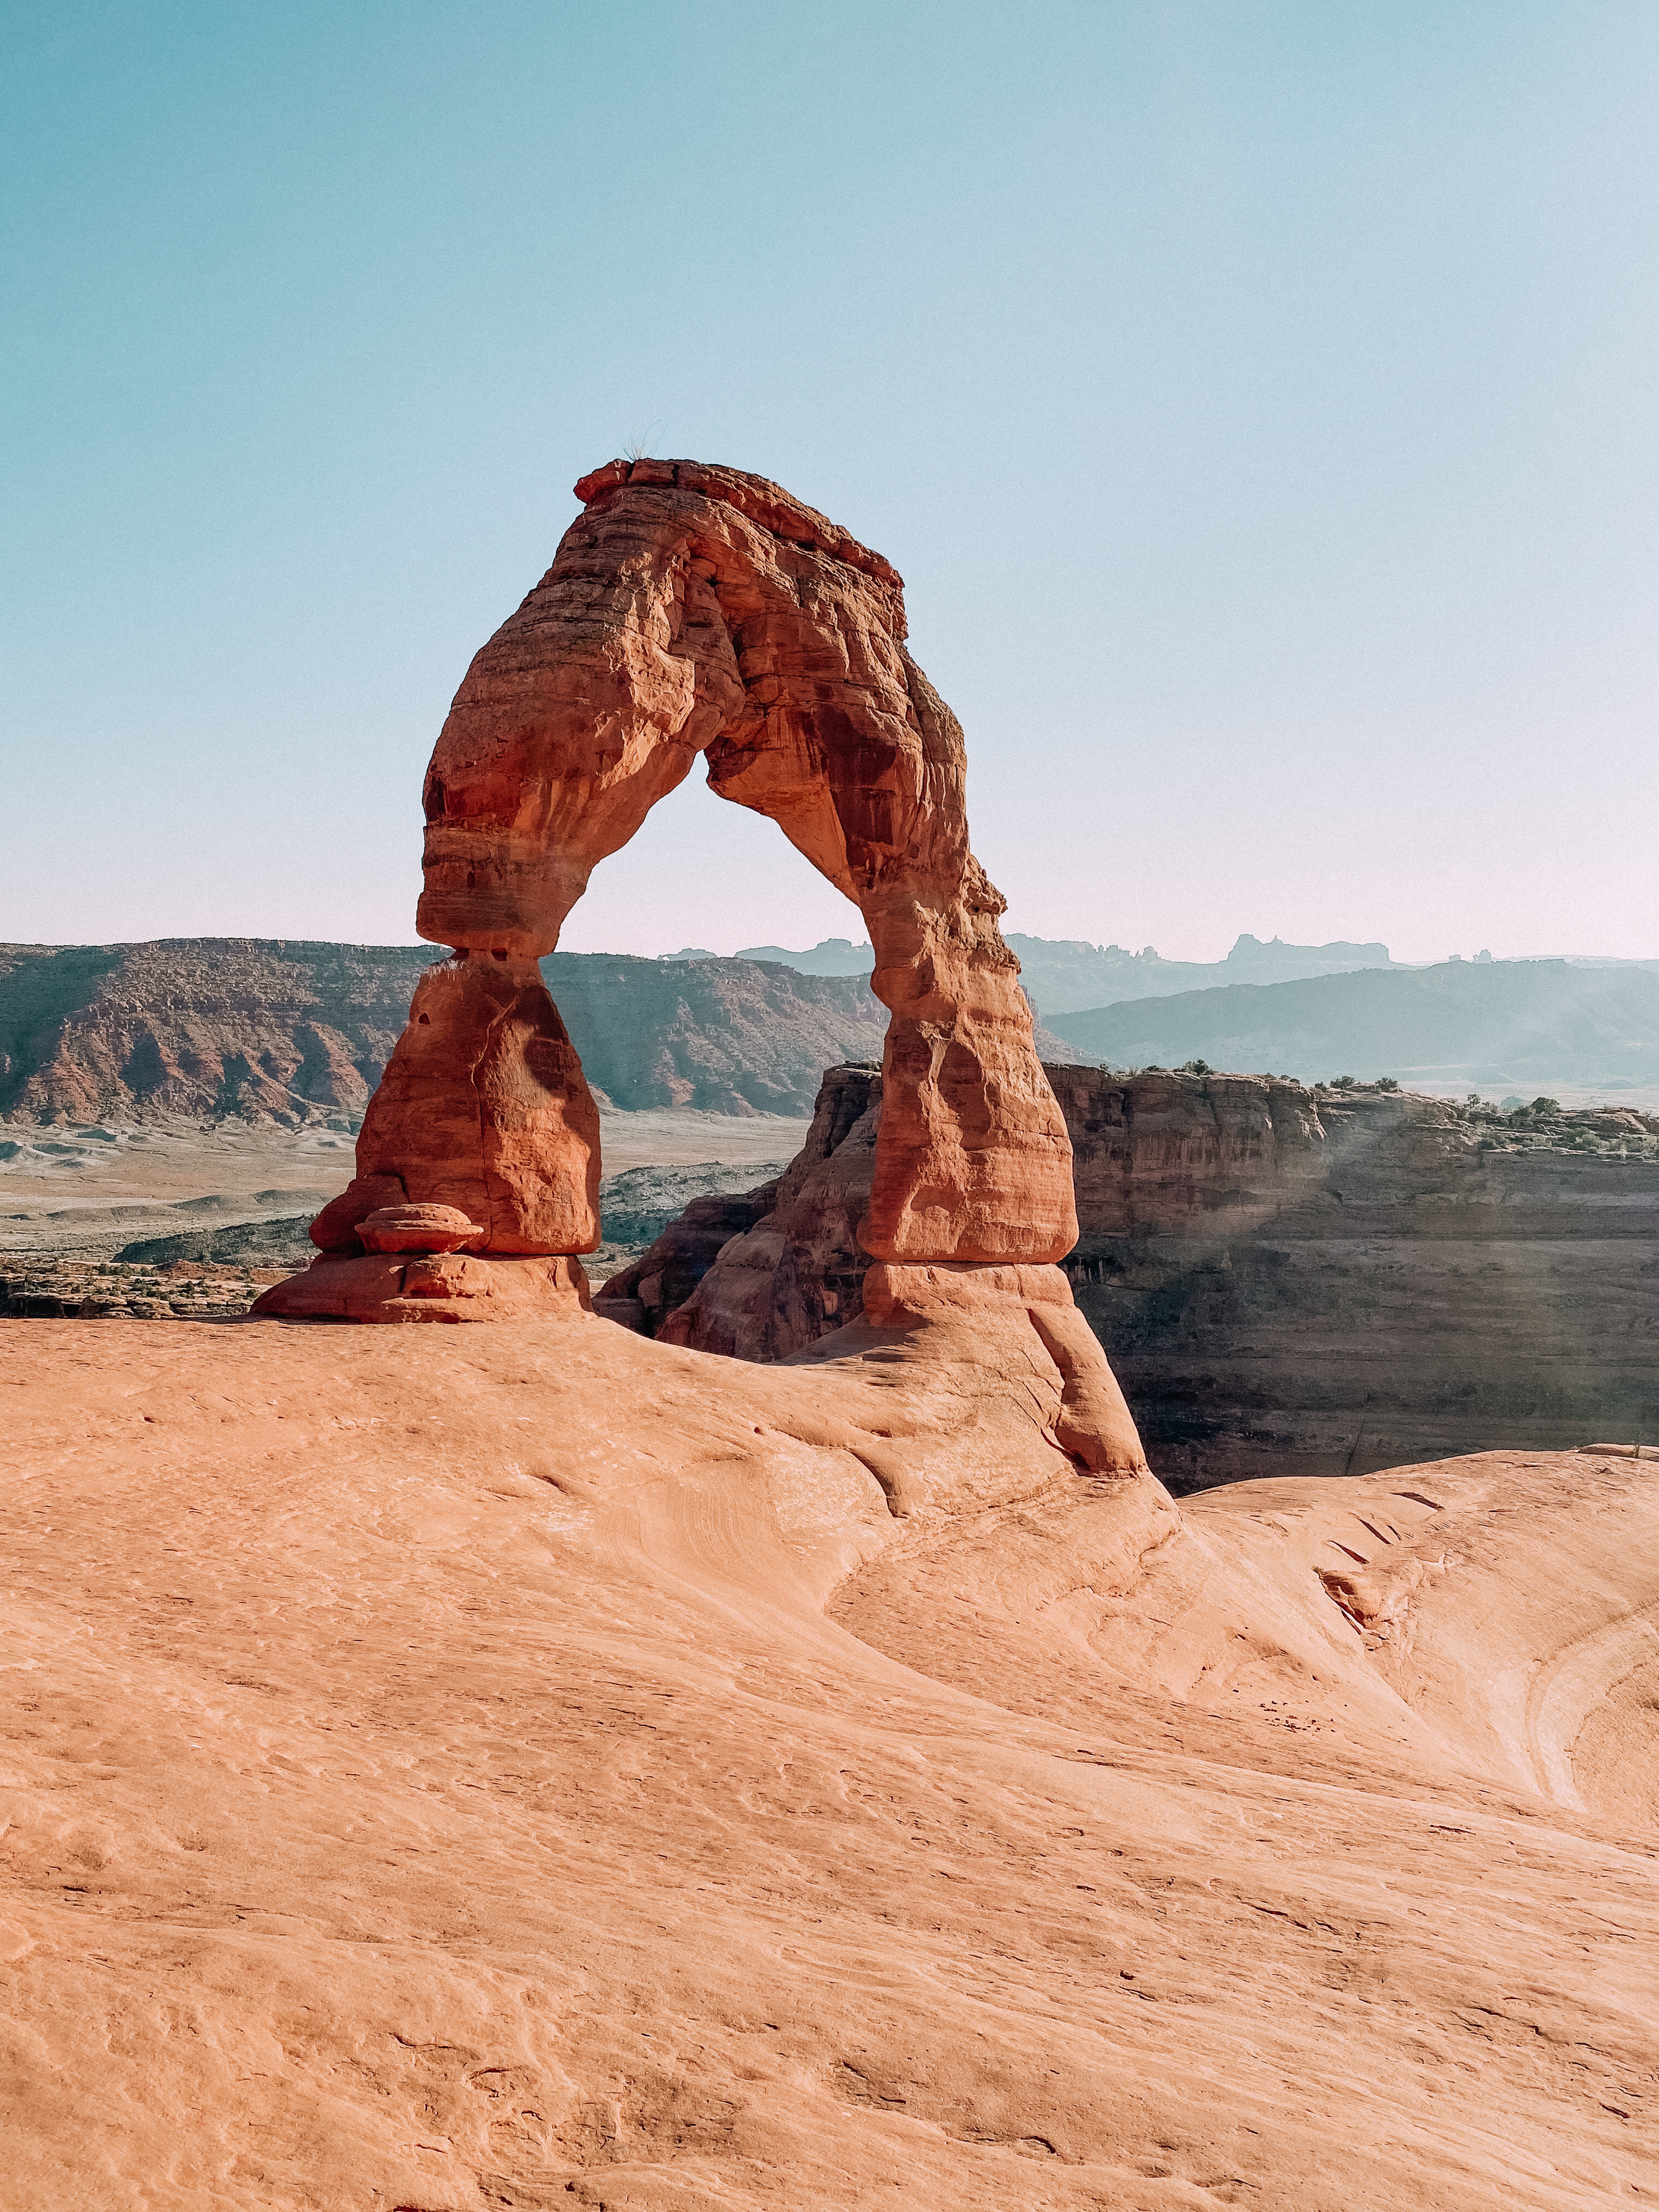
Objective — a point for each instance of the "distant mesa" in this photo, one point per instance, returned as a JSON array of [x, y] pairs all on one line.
[[1523, 1026], [830, 956]]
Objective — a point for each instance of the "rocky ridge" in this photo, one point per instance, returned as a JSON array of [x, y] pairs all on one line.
[[264, 1031]]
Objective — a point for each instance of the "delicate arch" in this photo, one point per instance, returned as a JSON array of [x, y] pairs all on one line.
[[694, 609]]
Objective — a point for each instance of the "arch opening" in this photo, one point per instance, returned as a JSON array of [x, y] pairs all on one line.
[[693, 610]]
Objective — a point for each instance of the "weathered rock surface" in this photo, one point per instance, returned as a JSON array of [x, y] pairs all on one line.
[[793, 1268], [418, 1229], [437, 1286], [483, 1106], [482, 1114], [539, 1766], [1315, 1282], [693, 609], [1285, 1280]]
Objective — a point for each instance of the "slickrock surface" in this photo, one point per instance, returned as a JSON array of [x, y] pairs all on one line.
[[539, 1766], [693, 609], [439, 1285], [1286, 1280]]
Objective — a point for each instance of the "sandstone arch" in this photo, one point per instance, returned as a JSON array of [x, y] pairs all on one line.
[[696, 610]]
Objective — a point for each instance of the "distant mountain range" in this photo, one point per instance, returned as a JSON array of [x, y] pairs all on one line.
[[204, 1027], [1066, 975], [1523, 1025], [1063, 975]]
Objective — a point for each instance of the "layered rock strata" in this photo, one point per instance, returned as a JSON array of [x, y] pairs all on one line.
[[696, 610]]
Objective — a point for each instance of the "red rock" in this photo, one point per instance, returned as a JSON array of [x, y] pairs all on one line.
[[335, 1229], [418, 1229], [760, 1276], [1094, 1425], [447, 1286], [483, 1107], [695, 609]]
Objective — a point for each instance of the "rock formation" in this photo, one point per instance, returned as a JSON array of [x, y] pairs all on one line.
[[694, 609], [1287, 1280], [764, 1273]]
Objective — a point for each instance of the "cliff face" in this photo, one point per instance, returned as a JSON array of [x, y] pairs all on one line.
[[1296, 1282], [270, 1030], [199, 1027], [1285, 1280]]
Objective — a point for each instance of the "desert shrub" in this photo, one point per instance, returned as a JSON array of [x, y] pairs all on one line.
[[1385, 1083], [1196, 1067]]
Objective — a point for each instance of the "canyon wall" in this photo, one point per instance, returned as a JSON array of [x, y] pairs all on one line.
[[1286, 1280]]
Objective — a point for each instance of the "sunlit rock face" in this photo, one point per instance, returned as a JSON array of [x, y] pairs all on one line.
[[694, 609]]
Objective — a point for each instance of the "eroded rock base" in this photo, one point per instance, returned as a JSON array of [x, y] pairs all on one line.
[[443, 1286], [1092, 1425]]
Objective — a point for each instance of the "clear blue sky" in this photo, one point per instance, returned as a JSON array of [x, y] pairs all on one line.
[[1259, 400]]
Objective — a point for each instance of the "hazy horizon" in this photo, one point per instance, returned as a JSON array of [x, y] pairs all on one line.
[[1258, 402], [860, 936]]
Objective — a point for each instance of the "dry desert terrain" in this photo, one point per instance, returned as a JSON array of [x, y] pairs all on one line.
[[531, 1766]]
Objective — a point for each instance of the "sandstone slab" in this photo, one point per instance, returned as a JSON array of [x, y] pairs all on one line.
[[533, 1766]]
